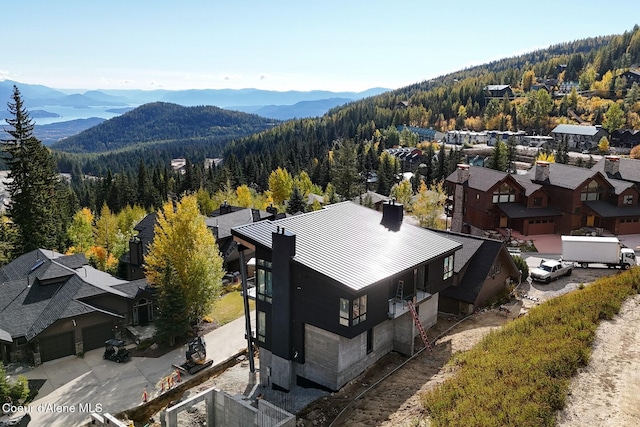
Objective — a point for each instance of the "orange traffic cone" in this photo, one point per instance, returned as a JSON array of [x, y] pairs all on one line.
[[178, 375], [144, 395]]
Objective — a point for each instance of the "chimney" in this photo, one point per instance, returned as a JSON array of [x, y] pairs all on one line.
[[273, 211], [225, 208], [283, 249], [542, 171], [611, 165], [463, 173], [392, 214], [215, 230], [457, 214], [135, 251]]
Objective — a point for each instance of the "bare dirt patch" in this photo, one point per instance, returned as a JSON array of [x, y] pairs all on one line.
[[396, 400], [605, 392]]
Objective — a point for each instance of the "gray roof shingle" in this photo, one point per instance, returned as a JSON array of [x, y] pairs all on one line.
[[348, 243], [628, 169]]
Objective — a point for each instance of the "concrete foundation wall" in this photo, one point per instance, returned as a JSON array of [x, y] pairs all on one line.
[[333, 361], [226, 410], [405, 330]]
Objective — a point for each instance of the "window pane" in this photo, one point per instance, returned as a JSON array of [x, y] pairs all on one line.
[[268, 287]]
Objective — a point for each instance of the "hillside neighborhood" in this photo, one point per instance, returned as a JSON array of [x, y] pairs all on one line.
[[336, 270]]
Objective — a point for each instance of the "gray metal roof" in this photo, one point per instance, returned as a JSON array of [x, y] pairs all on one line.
[[576, 130], [496, 87], [348, 243]]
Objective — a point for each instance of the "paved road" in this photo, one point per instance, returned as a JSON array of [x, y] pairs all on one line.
[[79, 385]]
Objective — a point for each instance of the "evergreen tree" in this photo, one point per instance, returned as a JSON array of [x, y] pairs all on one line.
[[296, 201], [344, 171], [562, 155], [172, 320], [499, 157], [34, 185]]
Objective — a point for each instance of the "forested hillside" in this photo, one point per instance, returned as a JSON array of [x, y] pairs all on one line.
[[346, 145], [161, 122], [457, 101]]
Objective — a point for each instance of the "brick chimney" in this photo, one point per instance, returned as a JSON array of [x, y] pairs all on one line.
[[463, 173], [542, 171], [392, 214], [611, 165]]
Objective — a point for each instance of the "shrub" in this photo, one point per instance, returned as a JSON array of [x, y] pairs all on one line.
[[521, 263]]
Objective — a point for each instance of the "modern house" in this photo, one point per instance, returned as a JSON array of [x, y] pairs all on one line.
[[549, 198], [334, 286], [219, 222], [54, 305], [578, 136], [481, 269]]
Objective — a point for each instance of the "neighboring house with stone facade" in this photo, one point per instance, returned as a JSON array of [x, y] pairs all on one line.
[[54, 305], [333, 288], [550, 198]]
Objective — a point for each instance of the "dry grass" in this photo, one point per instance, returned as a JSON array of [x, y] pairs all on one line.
[[520, 375]]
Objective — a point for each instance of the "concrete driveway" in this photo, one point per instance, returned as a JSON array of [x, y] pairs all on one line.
[[74, 387]]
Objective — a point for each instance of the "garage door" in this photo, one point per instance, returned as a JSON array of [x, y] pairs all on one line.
[[94, 336], [57, 346]]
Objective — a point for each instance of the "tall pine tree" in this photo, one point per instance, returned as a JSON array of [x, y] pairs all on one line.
[[37, 205]]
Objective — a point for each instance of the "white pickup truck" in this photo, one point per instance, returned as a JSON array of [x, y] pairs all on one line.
[[551, 270]]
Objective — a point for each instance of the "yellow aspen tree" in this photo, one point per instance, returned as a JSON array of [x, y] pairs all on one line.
[[184, 247]]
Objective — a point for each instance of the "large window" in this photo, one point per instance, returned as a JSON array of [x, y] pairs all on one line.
[[448, 267], [628, 199], [262, 327], [344, 312], [505, 193], [359, 310], [263, 277], [591, 192]]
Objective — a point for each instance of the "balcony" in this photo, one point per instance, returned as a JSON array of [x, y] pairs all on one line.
[[399, 307]]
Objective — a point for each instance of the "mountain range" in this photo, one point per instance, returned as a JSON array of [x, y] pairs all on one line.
[[62, 113]]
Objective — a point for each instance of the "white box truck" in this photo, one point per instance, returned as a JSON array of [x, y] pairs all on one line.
[[586, 250]]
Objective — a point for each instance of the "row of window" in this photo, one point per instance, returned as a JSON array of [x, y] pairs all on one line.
[[358, 311], [627, 220]]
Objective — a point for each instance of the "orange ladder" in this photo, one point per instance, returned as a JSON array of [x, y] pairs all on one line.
[[416, 319]]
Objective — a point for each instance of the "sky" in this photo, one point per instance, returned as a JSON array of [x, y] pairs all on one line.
[[346, 45]]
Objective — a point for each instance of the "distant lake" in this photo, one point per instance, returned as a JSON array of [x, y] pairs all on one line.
[[72, 113]]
